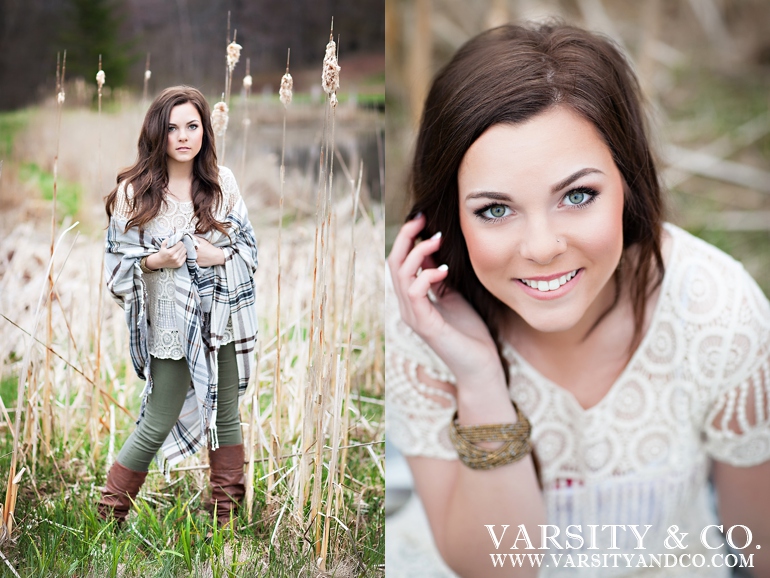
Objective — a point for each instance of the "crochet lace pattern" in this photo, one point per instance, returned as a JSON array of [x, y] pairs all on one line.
[[697, 388]]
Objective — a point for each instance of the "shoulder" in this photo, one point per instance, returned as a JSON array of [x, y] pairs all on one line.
[[722, 309], [227, 179], [123, 200], [703, 277], [229, 186]]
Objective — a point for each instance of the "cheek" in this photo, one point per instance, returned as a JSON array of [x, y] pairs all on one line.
[[487, 251], [600, 233]]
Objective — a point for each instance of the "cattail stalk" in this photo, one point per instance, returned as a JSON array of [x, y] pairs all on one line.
[[100, 78], [324, 359], [254, 424], [247, 82], [349, 291], [285, 96], [147, 75], [48, 380], [233, 54]]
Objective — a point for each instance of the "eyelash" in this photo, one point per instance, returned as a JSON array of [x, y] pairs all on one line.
[[192, 126], [592, 194]]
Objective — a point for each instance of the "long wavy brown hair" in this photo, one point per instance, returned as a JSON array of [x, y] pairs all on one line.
[[149, 174], [508, 75]]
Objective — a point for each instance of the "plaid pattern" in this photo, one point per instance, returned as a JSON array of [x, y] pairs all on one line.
[[205, 299]]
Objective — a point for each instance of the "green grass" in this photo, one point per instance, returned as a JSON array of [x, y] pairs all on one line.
[[10, 124], [169, 532], [374, 79], [9, 389], [68, 194], [713, 104]]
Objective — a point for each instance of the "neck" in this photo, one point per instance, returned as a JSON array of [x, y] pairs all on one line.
[[179, 171]]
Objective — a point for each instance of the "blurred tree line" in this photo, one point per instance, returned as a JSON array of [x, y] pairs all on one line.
[[186, 39]]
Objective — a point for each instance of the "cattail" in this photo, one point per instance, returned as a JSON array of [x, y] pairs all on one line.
[[287, 84], [100, 78], [233, 55], [333, 100], [247, 81], [330, 78], [219, 118], [147, 75], [60, 97]]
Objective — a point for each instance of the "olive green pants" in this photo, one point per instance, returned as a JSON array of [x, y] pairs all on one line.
[[171, 381]]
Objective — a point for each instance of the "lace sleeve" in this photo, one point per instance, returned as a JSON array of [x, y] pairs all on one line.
[[230, 192], [738, 422], [124, 201], [417, 415]]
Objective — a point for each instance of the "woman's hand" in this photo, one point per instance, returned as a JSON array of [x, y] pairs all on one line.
[[208, 254], [167, 258], [449, 325]]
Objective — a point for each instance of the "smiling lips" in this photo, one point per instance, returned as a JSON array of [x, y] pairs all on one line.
[[546, 284]]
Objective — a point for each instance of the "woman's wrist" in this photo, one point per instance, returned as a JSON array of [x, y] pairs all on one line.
[[147, 263], [485, 400]]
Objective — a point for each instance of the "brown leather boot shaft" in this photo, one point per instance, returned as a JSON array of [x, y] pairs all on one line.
[[119, 492], [228, 484]]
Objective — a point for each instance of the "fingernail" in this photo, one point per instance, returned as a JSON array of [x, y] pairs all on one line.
[[436, 236], [417, 216], [443, 267]]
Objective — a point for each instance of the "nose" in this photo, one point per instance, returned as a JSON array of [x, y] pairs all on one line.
[[540, 242], [182, 134]]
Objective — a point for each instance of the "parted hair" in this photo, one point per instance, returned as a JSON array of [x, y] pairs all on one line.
[[508, 75], [149, 174]]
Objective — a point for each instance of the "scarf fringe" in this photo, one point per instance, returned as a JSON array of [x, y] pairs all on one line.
[[213, 438]]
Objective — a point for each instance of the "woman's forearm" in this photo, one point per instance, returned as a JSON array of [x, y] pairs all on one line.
[[461, 501], [506, 496]]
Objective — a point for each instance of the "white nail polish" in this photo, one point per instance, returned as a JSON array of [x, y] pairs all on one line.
[[436, 236], [443, 267]]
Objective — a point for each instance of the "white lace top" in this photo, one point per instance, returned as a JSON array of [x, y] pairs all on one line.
[[698, 387], [163, 339]]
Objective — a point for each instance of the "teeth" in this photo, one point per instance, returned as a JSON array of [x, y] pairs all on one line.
[[551, 285]]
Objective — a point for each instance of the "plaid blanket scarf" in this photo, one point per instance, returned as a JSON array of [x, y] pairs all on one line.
[[206, 297]]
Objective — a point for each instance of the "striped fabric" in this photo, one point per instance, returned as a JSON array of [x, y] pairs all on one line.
[[205, 299]]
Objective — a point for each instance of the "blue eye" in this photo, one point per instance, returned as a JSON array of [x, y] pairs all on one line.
[[493, 212], [580, 197], [193, 126], [576, 198], [171, 129]]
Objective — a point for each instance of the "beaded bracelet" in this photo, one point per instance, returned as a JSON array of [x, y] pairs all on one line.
[[143, 266], [514, 435]]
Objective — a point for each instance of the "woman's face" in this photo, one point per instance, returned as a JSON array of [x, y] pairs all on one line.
[[541, 210], [185, 133]]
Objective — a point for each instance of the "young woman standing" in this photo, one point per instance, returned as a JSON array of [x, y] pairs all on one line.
[[180, 259]]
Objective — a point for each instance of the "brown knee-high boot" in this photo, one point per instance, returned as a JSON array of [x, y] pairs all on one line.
[[227, 481], [119, 492]]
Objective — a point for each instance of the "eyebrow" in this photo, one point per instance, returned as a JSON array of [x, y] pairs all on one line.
[[572, 178], [188, 122]]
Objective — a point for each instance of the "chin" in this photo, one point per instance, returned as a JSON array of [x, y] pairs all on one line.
[[555, 320]]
